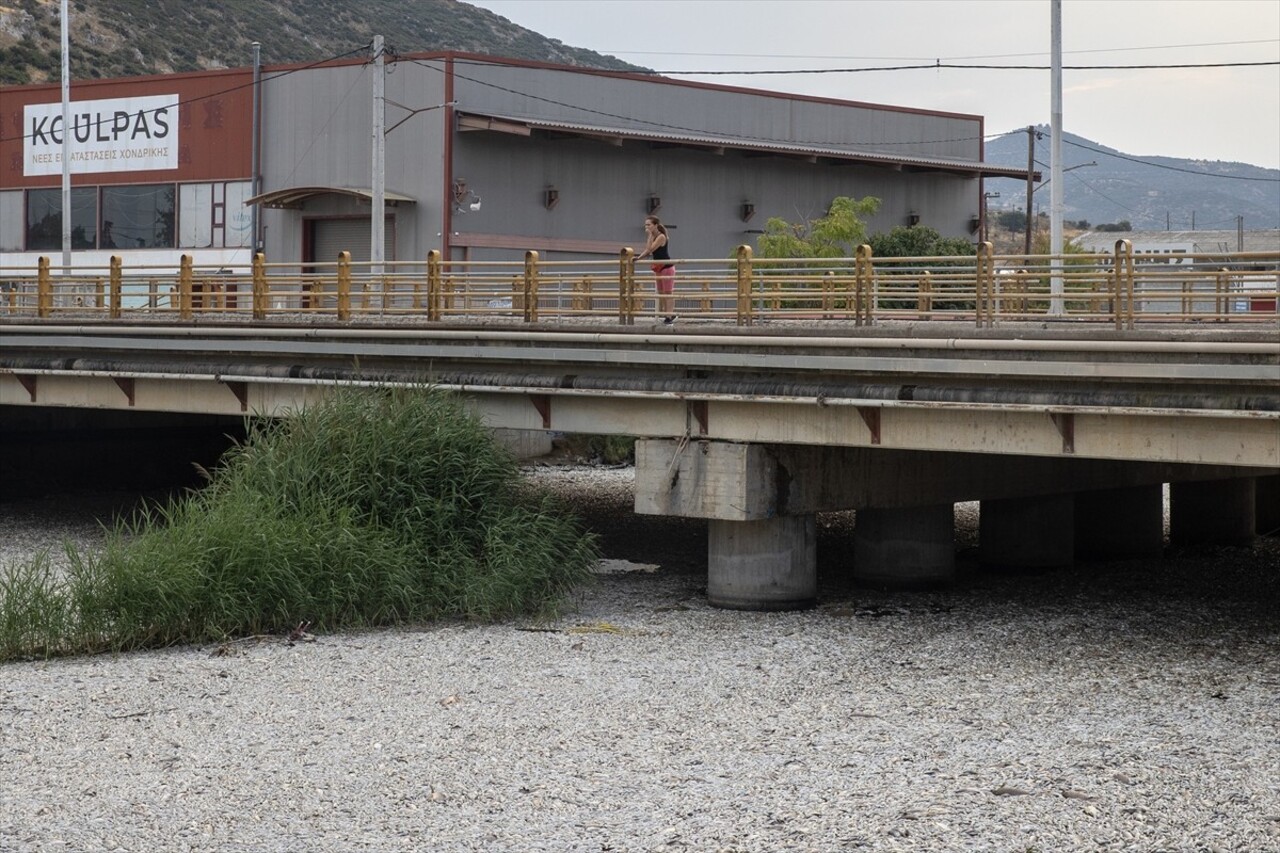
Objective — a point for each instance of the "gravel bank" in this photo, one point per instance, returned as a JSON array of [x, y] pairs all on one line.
[[1129, 706]]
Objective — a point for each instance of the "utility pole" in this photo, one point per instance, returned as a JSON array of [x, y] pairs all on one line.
[[1031, 165], [256, 144], [66, 141], [377, 217], [1055, 188], [1239, 233]]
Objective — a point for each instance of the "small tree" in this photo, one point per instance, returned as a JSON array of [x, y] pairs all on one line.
[[835, 235], [918, 241]]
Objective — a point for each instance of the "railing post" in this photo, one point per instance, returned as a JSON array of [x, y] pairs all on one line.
[[260, 286], [626, 286], [863, 272], [1122, 275], [184, 288], [113, 310], [44, 288], [1221, 286], [344, 286], [985, 303], [924, 296], [531, 286], [434, 285], [745, 306]]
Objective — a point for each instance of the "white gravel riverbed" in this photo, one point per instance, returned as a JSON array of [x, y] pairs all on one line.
[[1129, 706]]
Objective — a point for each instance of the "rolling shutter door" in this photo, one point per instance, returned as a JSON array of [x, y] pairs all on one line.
[[332, 236]]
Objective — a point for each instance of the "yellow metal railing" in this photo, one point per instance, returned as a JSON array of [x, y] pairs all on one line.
[[1118, 288]]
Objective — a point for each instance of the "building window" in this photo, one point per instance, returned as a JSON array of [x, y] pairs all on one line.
[[214, 215], [138, 217], [11, 221], [44, 219]]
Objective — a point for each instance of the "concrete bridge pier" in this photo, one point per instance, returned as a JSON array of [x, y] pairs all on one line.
[[908, 548], [1119, 524], [1213, 512], [1035, 532], [769, 564]]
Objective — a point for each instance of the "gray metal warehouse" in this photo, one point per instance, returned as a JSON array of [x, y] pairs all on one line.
[[485, 158]]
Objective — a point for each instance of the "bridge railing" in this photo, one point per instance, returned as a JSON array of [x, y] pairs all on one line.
[[1118, 288]]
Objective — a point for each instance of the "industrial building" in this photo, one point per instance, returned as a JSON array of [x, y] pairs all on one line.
[[481, 158]]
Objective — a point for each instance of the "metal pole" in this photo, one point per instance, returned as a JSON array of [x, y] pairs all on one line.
[[66, 142], [378, 214], [1031, 165], [1055, 181], [255, 178]]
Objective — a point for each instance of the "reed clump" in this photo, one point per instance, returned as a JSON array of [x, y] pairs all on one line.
[[372, 508]]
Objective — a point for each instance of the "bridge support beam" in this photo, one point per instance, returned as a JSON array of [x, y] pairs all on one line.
[[1119, 524], [1215, 512], [1027, 533], [911, 548], [769, 564]]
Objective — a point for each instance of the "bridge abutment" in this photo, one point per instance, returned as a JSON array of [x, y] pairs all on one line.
[[1213, 512]]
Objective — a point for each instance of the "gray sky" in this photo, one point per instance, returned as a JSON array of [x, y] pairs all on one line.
[[1228, 114]]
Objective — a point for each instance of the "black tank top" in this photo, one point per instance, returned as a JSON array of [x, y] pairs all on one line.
[[661, 253]]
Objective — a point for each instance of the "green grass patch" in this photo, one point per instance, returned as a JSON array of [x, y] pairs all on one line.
[[372, 508]]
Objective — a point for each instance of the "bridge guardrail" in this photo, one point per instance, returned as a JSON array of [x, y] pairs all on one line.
[[1116, 288]]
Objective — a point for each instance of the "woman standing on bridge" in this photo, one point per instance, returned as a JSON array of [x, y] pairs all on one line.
[[664, 271]]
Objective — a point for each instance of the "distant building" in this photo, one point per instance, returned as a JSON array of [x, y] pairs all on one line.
[[1181, 242], [484, 159]]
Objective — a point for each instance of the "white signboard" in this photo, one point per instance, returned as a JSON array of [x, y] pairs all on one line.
[[111, 135]]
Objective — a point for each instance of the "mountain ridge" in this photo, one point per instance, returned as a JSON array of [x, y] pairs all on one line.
[[1152, 192]]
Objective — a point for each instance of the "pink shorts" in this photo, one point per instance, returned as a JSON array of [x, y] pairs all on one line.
[[666, 276]]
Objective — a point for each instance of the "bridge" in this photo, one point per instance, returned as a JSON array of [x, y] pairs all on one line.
[[896, 388]]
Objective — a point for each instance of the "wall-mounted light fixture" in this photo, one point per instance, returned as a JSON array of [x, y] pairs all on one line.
[[975, 222], [550, 198], [653, 204], [464, 199], [747, 211], [913, 218]]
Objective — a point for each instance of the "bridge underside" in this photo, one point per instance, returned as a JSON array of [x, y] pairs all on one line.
[[1067, 443]]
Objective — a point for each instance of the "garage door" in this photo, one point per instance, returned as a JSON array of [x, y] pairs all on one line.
[[331, 236]]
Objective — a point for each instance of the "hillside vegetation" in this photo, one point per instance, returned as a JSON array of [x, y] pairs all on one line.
[[114, 38], [1152, 194]]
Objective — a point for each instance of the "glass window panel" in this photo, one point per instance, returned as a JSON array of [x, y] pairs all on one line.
[[195, 215], [138, 217], [239, 217], [11, 221], [44, 219]]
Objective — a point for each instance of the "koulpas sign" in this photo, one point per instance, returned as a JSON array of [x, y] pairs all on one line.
[[111, 135]]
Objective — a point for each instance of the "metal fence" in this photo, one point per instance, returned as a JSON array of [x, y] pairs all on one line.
[[985, 289]]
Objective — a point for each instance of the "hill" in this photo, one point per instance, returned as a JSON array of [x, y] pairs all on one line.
[[115, 38], [1156, 193]]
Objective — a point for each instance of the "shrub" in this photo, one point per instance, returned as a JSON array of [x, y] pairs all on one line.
[[371, 508]]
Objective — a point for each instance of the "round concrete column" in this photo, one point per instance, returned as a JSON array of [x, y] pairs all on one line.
[[1117, 524], [1027, 533], [1213, 512], [905, 548], [762, 565], [1267, 505]]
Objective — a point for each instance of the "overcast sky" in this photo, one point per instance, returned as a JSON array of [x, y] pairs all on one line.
[[1228, 114]]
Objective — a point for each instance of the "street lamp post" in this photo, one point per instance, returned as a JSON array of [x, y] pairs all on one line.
[[1031, 190]]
